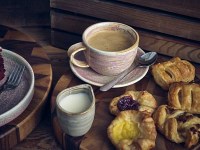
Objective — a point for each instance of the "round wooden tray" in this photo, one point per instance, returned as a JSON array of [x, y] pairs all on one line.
[[14, 40], [97, 138]]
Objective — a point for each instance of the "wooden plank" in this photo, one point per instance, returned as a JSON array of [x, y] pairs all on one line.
[[170, 46], [24, 12], [183, 7], [10, 135], [134, 16], [63, 39], [71, 22], [150, 41], [41, 138]]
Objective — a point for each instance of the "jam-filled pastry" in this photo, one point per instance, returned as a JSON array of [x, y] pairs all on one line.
[[185, 96], [174, 70], [133, 100], [132, 130], [177, 125]]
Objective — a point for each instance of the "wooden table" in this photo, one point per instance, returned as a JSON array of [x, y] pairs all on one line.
[[18, 129], [42, 137], [97, 133]]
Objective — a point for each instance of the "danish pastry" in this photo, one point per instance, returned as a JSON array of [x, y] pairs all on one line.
[[133, 100], [132, 130], [174, 70], [185, 96], [177, 125]]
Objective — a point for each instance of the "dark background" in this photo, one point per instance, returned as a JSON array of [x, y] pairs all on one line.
[[29, 16]]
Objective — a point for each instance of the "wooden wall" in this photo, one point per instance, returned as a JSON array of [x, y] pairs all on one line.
[[170, 27], [162, 25], [30, 16], [25, 12], [141, 15]]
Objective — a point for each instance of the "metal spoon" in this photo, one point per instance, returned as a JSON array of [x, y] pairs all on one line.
[[144, 60]]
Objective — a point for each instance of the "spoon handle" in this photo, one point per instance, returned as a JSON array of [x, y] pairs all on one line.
[[117, 79]]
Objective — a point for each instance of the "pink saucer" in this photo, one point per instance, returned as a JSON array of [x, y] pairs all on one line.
[[90, 76]]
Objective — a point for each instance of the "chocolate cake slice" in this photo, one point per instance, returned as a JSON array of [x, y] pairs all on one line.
[[2, 69]]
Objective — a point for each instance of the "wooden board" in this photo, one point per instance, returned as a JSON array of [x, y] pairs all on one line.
[[142, 17], [25, 13], [70, 32], [188, 8], [97, 137], [17, 130]]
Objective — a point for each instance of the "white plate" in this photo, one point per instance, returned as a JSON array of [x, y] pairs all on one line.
[[14, 102], [90, 76]]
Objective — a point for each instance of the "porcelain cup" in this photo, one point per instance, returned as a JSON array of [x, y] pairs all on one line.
[[107, 63], [73, 119]]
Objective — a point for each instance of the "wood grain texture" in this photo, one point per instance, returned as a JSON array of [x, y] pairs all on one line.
[[97, 138], [18, 129], [151, 41], [133, 15], [183, 7], [40, 139], [24, 12], [63, 39]]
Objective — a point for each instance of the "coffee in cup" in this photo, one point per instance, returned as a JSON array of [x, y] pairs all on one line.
[[109, 48], [111, 41]]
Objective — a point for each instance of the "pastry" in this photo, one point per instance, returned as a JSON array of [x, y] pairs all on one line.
[[185, 96], [132, 130], [177, 125], [174, 70], [133, 100]]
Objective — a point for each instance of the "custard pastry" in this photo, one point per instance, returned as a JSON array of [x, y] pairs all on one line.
[[132, 130], [177, 125], [185, 96], [133, 100], [174, 70]]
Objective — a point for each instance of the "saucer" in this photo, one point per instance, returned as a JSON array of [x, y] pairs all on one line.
[[88, 75]]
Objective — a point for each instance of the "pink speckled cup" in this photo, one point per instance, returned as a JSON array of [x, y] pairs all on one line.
[[107, 63]]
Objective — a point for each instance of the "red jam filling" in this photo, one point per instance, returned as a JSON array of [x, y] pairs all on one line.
[[127, 103]]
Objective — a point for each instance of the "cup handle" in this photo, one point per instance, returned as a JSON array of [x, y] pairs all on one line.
[[77, 62]]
